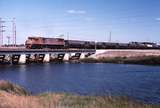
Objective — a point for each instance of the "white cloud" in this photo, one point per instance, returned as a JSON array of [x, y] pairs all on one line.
[[72, 11]]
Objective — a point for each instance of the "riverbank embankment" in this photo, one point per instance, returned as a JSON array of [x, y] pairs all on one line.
[[145, 60], [148, 57], [13, 96], [110, 53]]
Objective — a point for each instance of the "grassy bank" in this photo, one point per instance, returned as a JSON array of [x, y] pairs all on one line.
[[20, 99], [8, 87], [148, 60]]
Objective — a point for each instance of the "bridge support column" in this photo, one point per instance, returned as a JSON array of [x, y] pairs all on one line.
[[8, 59], [46, 58], [92, 55], [67, 56], [53, 56], [28, 59], [82, 56], [22, 59], [75, 56], [2, 59], [15, 58], [60, 57], [39, 58], [72, 56]]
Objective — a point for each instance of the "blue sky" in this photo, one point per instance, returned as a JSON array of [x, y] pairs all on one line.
[[128, 20]]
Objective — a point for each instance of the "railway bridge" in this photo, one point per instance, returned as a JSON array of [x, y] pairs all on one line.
[[17, 55]]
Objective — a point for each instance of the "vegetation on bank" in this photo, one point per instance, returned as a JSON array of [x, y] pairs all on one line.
[[13, 96], [12, 88], [148, 60]]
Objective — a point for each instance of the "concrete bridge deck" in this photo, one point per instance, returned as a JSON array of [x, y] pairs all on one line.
[[30, 51]]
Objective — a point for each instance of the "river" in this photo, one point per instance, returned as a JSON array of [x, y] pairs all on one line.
[[135, 81]]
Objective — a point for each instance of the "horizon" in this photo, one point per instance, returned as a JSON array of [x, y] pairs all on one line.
[[127, 20]]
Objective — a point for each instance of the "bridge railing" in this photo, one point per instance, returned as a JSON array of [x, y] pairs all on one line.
[[24, 50]]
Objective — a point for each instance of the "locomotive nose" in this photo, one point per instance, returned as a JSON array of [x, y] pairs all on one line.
[[28, 42]]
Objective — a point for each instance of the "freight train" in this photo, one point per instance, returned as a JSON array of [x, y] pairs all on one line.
[[60, 43], [57, 43]]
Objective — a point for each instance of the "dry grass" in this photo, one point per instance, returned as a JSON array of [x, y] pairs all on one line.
[[67, 101], [12, 88], [49, 100], [14, 99], [8, 100], [76, 101]]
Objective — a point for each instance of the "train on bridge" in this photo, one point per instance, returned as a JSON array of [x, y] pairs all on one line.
[[60, 43]]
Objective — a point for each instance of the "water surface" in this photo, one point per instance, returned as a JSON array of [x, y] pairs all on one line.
[[136, 81]]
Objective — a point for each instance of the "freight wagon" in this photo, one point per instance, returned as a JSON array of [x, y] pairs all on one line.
[[106, 45], [79, 44]]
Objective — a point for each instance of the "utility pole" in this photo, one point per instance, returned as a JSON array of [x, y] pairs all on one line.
[[95, 47], [8, 38], [67, 36], [110, 36], [1, 31], [14, 42]]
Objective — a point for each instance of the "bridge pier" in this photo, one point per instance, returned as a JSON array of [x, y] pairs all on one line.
[[28, 59], [53, 57], [72, 56], [82, 56], [57, 57], [2, 59], [46, 58], [89, 54], [75, 56], [23, 55], [60, 57], [22, 59], [39, 58], [8, 58], [15, 58], [67, 57]]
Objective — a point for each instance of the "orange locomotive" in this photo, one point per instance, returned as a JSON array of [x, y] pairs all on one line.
[[41, 42]]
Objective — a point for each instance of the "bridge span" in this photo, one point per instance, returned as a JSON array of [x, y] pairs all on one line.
[[22, 55], [30, 51]]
